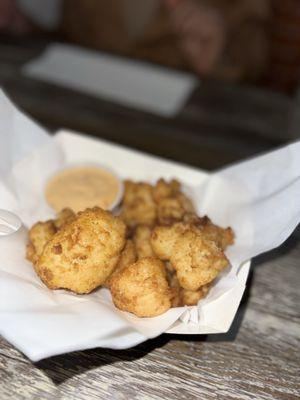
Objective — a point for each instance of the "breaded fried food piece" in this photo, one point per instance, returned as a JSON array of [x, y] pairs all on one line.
[[186, 203], [83, 253], [191, 297], [142, 288], [128, 256], [169, 267], [183, 297], [197, 261], [143, 204], [30, 253], [41, 232], [172, 204], [222, 236], [64, 217], [39, 235], [169, 210], [191, 219], [138, 207], [163, 239], [141, 240], [175, 289], [163, 189]]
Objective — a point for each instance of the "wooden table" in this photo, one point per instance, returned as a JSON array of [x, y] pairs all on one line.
[[259, 357]]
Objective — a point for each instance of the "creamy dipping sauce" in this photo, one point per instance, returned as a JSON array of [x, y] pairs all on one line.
[[81, 187]]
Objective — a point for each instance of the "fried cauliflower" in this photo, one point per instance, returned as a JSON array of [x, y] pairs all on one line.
[[175, 289], [142, 288], [192, 297], [223, 237], [169, 210], [183, 297], [197, 261], [64, 217], [163, 189], [138, 206], [127, 257], [39, 235], [163, 239], [172, 204], [41, 232], [141, 240], [83, 253]]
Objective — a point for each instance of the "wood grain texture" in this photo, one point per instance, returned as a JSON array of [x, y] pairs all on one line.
[[259, 357]]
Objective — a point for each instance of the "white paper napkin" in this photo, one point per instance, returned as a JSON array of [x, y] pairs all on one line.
[[259, 198], [131, 83]]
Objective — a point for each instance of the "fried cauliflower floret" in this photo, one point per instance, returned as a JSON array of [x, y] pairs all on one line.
[[222, 236], [183, 297], [186, 203], [172, 204], [64, 217], [39, 235], [142, 288], [163, 189], [81, 255], [175, 289], [191, 219], [169, 210], [30, 253], [169, 267], [141, 239], [191, 297], [197, 261], [143, 203], [163, 239], [41, 232], [138, 206], [127, 257]]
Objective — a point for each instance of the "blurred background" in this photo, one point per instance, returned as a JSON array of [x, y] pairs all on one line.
[[242, 57]]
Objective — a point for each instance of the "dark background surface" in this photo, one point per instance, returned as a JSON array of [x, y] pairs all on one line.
[[220, 123]]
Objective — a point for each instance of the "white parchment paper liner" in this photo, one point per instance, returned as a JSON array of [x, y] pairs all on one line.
[[259, 198]]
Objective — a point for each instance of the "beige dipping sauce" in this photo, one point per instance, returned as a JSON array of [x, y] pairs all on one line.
[[81, 187]]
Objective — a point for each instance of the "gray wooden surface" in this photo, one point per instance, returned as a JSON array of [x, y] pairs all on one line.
[[259, 357]]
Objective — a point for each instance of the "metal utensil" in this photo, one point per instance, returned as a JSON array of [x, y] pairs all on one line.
[[9, 223]]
